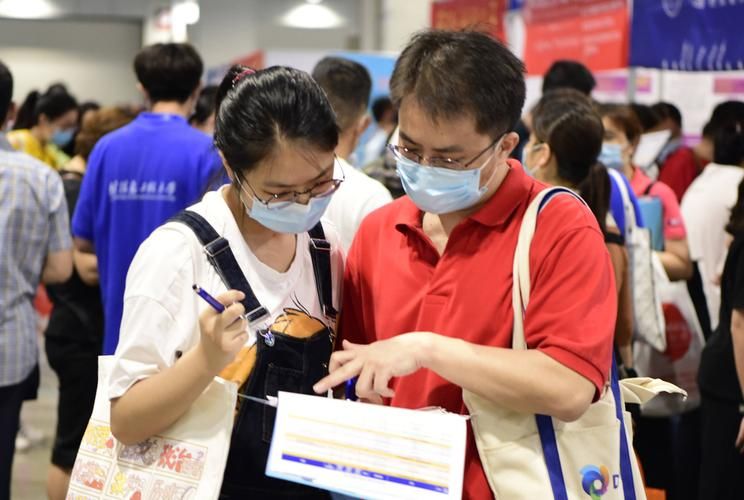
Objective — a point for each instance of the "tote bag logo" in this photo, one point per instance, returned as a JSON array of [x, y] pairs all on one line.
[[595, 481]]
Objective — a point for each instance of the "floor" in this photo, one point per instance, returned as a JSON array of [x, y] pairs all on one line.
[[30, 467]]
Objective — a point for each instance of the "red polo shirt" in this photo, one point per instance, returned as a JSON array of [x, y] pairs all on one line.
[[397, 283]]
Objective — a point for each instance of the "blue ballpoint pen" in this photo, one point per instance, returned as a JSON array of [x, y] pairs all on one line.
[[217, 306]]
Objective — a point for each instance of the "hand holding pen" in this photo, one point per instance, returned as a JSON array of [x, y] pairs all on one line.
[[223, 328]]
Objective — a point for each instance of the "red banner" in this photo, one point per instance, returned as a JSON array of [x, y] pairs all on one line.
[[482, 15], [594, 32]]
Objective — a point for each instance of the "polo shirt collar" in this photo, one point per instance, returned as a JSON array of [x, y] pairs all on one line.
[[513, 191], [161, 117]]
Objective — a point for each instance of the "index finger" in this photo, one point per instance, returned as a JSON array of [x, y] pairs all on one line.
[[344, 373], [230, 297]]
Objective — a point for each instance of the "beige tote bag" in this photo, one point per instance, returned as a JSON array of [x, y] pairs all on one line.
[[186, 462], [529, 456]]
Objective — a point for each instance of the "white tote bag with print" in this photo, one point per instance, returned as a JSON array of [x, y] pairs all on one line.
[[529, 456], [648, 316], [680, 361], [187, 461]]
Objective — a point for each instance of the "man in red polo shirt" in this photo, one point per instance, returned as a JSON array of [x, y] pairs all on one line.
[[427, 307]]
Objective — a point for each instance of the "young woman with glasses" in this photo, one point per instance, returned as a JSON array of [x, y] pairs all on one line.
[[276, 134]]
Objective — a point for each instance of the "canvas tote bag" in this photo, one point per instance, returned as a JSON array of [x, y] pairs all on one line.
[[187, 461], [529, 456]]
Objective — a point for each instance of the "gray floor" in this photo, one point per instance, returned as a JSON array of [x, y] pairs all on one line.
[[30, 468]]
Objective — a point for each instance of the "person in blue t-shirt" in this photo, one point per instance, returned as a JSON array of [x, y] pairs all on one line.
[[142, 174]]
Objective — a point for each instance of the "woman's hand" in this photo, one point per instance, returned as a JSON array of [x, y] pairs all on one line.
[[223, 334], [375, 364]]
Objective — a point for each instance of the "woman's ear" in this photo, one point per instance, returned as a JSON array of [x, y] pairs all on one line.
[[229, 171], [541, 155]]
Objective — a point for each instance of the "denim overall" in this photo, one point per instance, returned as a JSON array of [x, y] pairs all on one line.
[[283, 363]]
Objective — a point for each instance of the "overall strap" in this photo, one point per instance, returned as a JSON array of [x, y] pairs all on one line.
[[223, 260], [320, 252]]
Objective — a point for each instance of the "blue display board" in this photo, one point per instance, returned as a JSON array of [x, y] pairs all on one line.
[[687, 35]]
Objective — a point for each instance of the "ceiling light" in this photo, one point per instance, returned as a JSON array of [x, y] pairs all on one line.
[[28, 9], [312, 16], [314, 2], [186, 12]]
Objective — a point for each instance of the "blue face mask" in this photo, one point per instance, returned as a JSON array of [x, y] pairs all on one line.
[[527, 169], [62, 137], [290, 217], [440, 190], [612, 156]]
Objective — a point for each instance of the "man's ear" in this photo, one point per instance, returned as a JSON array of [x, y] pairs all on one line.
[[364, 122], [509, 142]]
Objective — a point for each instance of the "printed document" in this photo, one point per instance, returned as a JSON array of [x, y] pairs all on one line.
[[368, 451]]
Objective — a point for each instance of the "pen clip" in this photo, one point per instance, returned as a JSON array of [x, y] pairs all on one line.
[[271, 401]]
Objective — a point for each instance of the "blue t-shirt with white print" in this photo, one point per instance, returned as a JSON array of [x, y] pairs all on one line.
[[137, 178]]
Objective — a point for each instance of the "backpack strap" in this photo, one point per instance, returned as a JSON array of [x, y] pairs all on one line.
[[320, 253], [647, 191], [219, 254]]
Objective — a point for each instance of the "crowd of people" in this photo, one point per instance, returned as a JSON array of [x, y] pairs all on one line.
[[417, 232]]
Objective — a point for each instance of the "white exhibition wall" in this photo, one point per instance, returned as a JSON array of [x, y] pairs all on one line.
[[92, 57]]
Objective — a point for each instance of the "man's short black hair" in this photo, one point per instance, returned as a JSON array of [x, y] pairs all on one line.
[[569, 74], [646, 115], [169, 71], [380, 106], [667, 110], [347, 85], [6, 91], [451, 73]]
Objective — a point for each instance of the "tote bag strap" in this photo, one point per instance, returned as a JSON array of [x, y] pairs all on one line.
[[520, 300], [521, 268]]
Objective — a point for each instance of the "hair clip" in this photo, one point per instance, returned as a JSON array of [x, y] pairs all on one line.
[[240, 75]]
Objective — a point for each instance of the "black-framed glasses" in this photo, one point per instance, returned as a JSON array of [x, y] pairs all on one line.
[[403, 153], [320, 190]]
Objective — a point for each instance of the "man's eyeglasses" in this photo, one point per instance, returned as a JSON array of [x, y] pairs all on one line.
[[319, 190], [403, 153]]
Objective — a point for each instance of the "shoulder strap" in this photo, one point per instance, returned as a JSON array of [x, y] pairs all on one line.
[[521, 268], [617, 239], [223, 260], [628, 210], [647, 191], [320, 253]]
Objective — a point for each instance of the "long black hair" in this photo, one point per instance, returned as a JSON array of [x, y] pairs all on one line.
[[258, 109], [54, 103], [736, 221], [566, 120]]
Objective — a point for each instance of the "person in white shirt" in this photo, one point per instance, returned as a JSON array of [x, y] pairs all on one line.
[[249, 244], [706, 208], [347, 85]]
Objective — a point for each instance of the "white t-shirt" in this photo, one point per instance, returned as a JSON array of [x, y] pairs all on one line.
[[375, 146], [706, 208], [161, 311], [357, 197]]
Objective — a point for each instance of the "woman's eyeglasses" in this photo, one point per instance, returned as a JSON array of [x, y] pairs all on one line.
[[320, 190]]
